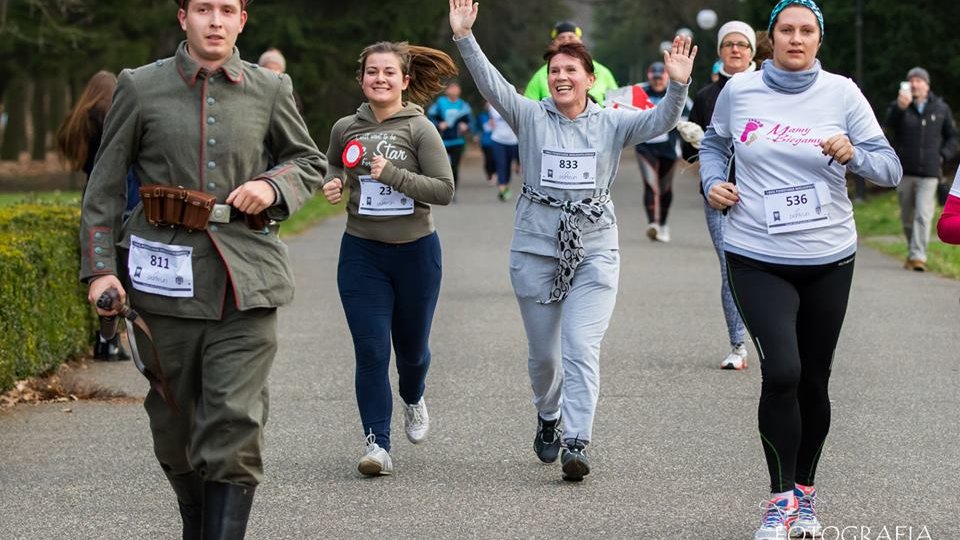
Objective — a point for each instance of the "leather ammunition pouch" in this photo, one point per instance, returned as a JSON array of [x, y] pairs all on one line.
[[167, 206]]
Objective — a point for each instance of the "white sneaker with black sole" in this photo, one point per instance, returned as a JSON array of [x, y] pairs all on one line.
[[737, 359], [375, 461], [416, 421]]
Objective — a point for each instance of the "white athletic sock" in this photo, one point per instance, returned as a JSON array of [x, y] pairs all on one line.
[[549, 417]]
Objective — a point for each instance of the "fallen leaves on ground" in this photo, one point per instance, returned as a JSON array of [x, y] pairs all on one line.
[[62, 386]]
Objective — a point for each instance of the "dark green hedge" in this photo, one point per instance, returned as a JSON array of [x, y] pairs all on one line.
[[44, 315]]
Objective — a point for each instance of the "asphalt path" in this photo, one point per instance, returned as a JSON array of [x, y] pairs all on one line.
[[676, 453]]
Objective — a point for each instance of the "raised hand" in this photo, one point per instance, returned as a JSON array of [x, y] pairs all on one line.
[[679, 59], [463, 13]]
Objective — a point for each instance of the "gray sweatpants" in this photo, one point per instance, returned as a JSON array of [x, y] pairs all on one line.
[[564, 338], [917, 196]]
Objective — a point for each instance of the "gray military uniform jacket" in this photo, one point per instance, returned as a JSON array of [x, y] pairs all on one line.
[[176, 124]]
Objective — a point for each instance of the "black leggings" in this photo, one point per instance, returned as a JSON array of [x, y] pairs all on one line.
[[455, 153], [489, 163], [657, 185], [794, 315]]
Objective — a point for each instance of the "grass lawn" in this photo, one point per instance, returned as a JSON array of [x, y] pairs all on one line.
[[7, 199], [316, 210], [878, 225]]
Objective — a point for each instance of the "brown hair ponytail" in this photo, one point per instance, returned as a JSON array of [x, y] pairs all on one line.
[[427, 68], [86, 119]]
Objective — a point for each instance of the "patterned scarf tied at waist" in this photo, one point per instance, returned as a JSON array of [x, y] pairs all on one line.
[[569, 235]]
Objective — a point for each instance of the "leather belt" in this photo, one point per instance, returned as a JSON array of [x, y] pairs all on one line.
[[167, 206]]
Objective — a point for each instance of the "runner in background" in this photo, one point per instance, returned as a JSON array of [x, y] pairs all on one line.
[[656, 159], [568, 32], [482, 129], [453, 117], [506, 153], [736, 42]]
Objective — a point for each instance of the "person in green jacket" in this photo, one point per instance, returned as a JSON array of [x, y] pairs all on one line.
[[566, 32], [207, 121]]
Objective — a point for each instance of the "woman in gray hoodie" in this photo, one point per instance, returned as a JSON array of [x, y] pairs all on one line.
[[564, 258]]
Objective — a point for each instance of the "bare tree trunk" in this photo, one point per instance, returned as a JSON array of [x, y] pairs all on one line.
[[59, 89], [15, 136], [41, 98]]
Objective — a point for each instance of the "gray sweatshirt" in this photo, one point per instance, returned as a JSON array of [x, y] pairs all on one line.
[[539, 124], [417, 166]]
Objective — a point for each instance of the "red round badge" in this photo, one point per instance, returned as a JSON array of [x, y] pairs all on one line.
[[352, 154]]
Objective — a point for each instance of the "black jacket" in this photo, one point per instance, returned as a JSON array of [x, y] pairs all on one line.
[[701, 114], [923, 142]]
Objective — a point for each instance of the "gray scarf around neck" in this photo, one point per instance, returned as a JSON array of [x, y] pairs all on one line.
[[789, 82]]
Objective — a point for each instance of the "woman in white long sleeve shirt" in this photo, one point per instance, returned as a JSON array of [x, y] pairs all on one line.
[[790, 241]]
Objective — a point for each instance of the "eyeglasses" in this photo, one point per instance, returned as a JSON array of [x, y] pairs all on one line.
[[737, 44]]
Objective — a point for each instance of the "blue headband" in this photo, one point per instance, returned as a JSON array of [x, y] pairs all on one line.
[[809, 4]]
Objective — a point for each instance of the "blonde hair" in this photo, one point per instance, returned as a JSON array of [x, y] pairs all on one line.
[[427, 68], [73, 137]]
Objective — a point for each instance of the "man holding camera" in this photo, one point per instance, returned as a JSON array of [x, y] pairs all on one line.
[[222, 155], [924, 136]]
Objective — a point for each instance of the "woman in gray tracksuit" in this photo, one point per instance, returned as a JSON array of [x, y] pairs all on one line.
[[564, 258]]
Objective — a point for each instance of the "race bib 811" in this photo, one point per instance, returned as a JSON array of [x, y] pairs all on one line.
[[162, 269]]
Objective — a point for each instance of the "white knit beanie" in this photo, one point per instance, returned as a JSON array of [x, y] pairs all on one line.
[[738, 27]]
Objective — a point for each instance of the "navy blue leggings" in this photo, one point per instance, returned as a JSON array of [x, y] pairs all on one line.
[[389, 292]]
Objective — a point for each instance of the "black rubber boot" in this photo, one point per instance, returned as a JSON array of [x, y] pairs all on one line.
[[108, 351], [189, 490], [226, 508]]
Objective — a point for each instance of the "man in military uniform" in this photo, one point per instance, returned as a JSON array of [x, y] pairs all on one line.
[[206, 121]]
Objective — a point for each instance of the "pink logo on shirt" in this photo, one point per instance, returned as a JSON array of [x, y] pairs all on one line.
[[794, 136], [748, 131]]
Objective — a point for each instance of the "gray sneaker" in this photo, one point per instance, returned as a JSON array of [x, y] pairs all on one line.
[[778, 517], [807, 525], [416, 421], [573, 460], [546, 443], [375, 461]]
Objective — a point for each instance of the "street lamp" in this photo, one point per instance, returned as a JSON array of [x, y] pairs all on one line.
[[707, 19]]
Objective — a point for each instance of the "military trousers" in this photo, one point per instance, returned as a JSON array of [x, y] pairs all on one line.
[[217, 371]]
